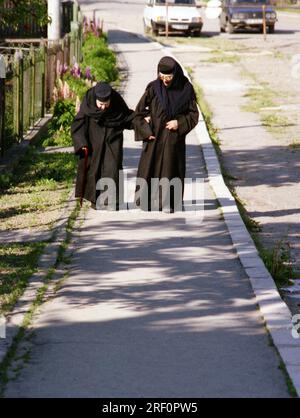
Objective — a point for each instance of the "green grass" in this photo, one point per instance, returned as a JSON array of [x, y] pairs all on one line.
[[17, 264], [295, 144], [215, 43], [278, 261], [279, 55], [99, 58], [13, 355], [206, 112], [33, 194], [261, 98], [290, 386], [223, 59], [59, 132], [274, 123], [290, 10], [258, 98], [252, 225]]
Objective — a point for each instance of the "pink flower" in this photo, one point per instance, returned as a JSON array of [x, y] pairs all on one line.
[[88, 74], [76, 71], [61, 69]]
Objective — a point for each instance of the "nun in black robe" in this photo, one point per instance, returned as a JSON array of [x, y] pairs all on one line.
[[166, 113], [101, 133]]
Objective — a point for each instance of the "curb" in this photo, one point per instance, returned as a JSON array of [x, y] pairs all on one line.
[[14, 319], [276, 314], [274, 311]]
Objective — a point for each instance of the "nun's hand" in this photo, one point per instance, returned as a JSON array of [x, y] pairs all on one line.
[[151, 138], [147, 119], [172, 125]]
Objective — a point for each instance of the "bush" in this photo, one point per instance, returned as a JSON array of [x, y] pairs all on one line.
[[77, 85], [63, 114], [59, 129], [99, 58], [99, 64]]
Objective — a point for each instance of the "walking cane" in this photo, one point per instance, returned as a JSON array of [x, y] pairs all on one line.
[[86, 156]]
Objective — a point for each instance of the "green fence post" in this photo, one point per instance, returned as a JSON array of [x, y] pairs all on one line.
[[43, 75], [32, 90], [72, 51], [74, 37], [16, 103], [21, 98], [2, 103], [18, 97], [75, 11]]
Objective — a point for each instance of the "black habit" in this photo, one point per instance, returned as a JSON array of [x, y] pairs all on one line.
[[165, 156], [102, 132]]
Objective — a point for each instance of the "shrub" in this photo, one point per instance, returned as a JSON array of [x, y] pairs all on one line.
[[59, 129], [99, 58]]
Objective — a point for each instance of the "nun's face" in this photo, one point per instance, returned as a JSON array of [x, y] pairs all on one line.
[[102, 105], [166, 78]]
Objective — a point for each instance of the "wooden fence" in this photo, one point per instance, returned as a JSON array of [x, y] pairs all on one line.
[[27, 79]]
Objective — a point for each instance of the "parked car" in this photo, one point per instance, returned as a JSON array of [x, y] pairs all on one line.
[[183, 16], [246, 14]]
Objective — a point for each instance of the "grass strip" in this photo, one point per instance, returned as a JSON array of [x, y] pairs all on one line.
[[34, 193], [22, 334], [18, 262]]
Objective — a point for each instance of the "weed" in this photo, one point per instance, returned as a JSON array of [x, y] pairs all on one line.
[[279, 262]]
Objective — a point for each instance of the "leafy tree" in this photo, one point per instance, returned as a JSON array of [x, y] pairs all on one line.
[[15, 12]]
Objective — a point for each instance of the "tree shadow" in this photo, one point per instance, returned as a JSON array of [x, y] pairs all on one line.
[[152, 316]]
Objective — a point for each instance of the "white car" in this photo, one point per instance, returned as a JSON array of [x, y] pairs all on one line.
[[183, 16]]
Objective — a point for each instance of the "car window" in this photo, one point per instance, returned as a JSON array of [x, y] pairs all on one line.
[[187, 2], [249, 1]]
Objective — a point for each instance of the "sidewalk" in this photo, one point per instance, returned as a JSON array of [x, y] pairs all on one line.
[[153, 306], [264, 170]]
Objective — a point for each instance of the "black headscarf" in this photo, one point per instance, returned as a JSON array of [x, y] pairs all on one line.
[[176, 97], [103, 91], [113, 117]]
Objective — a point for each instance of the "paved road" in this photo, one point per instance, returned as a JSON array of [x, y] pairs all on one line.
[[128, 15], [154, 306]]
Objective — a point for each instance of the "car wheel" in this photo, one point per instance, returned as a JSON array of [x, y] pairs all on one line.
[[154, 29], [222, 29], [229, 27], [271, 28]]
